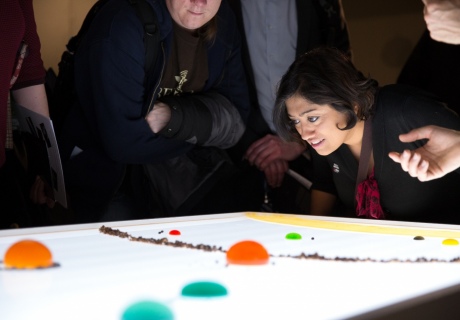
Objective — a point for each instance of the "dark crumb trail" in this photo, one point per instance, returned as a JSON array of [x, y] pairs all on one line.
[[162, 241], [302, 256]]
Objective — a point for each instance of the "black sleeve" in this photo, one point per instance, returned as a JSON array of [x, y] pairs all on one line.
[[190, 119], [207, 119]]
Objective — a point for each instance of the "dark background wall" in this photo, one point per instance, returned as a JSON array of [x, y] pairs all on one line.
[[383, 34]]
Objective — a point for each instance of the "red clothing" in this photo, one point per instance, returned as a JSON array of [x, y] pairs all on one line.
[[368, 199], [17, 23]]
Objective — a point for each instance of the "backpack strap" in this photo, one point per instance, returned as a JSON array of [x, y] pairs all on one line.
[[149, 21]]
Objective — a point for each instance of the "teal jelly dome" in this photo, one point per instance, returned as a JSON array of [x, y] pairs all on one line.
[[148, 310], [204, 289]]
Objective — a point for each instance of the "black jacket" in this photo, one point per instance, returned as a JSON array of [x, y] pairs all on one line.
[[108, 123]]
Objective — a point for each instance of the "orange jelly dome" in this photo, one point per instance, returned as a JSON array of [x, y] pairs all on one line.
[[248, 253], [28, 254]]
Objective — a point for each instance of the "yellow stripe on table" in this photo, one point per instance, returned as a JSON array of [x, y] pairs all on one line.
[[296, 220]]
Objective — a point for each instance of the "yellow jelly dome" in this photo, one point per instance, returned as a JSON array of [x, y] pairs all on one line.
[[450, 242]]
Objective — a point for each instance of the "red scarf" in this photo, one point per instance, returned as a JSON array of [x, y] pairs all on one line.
[[368, 199]]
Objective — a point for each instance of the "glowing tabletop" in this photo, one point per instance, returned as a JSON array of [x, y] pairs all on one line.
[[183, 268]]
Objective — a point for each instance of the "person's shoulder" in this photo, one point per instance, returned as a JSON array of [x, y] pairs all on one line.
[[408, 100], [118, 23], [398, 89], [405, 93], [407, 90], [118, 15]]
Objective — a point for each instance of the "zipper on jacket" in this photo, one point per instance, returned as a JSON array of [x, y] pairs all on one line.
[[158, 83]]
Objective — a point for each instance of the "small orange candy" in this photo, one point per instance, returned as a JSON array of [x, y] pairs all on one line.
[[247, 253], [28, 254]]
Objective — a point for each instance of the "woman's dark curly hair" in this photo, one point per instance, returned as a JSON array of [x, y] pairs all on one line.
[[324, 76]]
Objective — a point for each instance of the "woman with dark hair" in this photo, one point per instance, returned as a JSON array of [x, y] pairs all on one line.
[[352, 124]]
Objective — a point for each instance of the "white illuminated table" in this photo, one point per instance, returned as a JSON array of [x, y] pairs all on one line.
[[99, 276]]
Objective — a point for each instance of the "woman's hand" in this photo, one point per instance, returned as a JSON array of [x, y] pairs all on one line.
[[159, 117]]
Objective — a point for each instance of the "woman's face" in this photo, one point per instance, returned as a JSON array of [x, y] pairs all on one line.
[[318, 125], [192, 14]]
